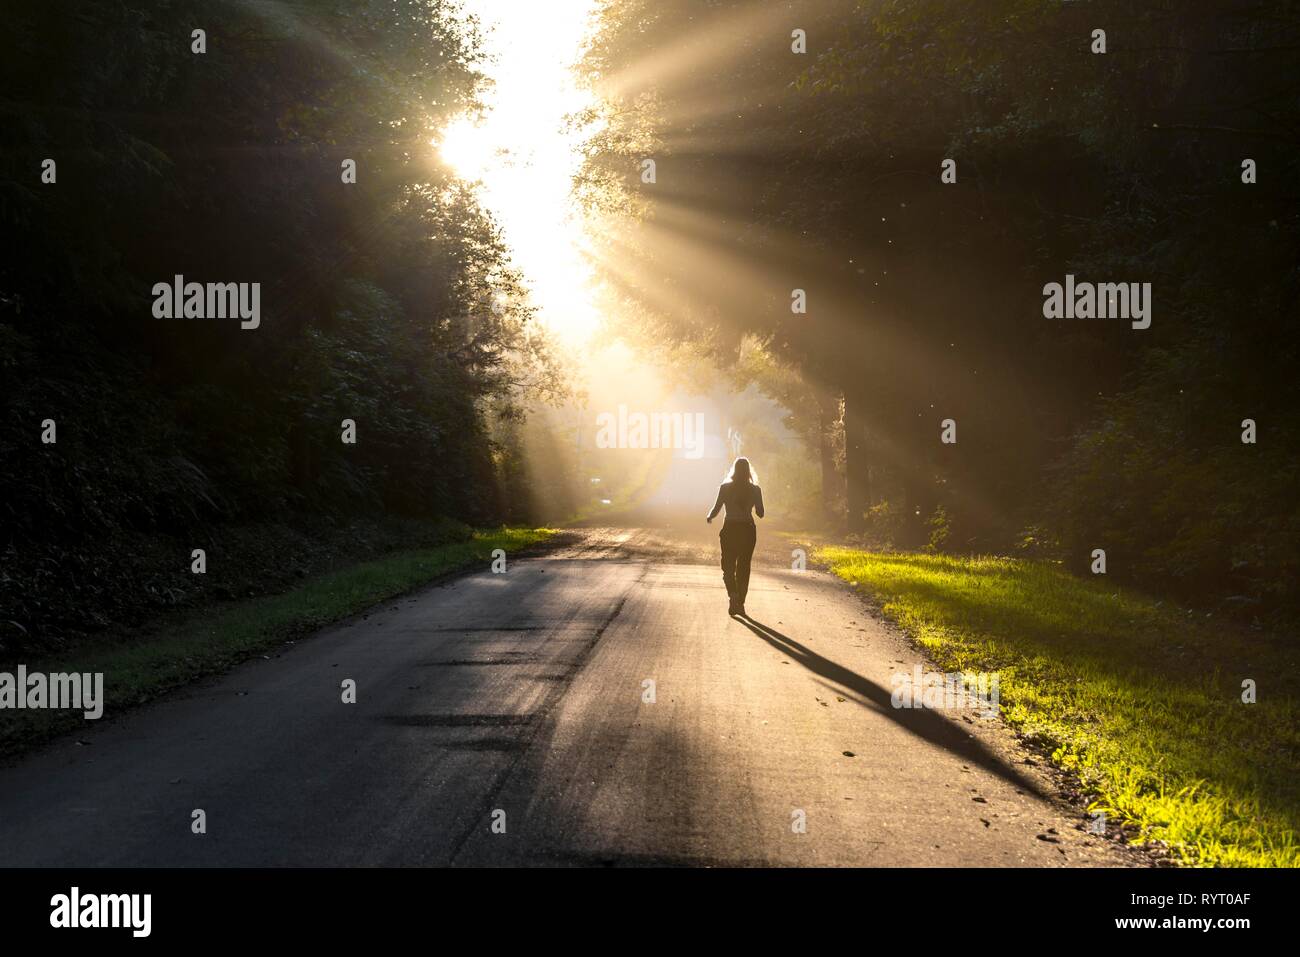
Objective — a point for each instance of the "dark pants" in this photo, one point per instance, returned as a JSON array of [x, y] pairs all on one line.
[[737, 550]]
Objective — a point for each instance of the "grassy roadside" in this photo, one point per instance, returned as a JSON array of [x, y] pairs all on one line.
[[145, 665], [1141, 699]]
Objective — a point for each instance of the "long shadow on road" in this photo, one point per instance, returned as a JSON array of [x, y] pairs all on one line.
[[923, 722]]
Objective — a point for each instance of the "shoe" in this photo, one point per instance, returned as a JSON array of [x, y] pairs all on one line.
[[740, 610], [731, 607]]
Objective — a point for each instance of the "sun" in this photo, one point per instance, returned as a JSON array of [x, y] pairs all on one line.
[[466, 146], [522, 154]]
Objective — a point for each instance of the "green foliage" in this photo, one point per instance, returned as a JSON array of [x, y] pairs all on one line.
[[885, 521], [821, 172], [226, 167], [940, 529]]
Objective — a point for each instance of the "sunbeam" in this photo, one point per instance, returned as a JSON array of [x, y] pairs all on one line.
[[523, 151]]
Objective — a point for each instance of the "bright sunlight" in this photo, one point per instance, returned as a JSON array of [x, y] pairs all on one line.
[[524, 158]]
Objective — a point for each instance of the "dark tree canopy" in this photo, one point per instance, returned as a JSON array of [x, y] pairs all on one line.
[[821, 172], [227, 166]]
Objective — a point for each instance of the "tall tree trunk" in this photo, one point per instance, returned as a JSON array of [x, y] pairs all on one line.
[[831, 488], [856, 478]]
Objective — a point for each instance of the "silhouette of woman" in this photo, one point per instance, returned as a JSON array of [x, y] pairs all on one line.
[[739, 493]]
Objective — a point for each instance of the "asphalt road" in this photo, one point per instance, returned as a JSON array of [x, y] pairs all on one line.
[[521, 699]]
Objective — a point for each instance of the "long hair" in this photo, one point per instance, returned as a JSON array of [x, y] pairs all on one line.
[[742, 471]]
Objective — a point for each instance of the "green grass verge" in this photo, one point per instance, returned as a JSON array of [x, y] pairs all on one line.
[[145, 665], [1141, 699]]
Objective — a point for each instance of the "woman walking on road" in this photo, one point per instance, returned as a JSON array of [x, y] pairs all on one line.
[[739, 494]]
